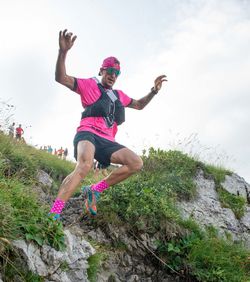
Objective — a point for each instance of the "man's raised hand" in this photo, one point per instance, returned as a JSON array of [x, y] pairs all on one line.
[[158, 82], [66, 41]]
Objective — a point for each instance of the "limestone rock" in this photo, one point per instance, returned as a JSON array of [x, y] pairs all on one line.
[[206, 208], [44, 179], [44, 186], [245, 220], [32, 256], [68, 266], [236, 185]]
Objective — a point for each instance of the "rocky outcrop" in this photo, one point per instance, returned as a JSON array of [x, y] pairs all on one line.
[[206, 208], [44, 179], [43, 187], [236, 185], [131, 258], [127, 257], [69, 265]]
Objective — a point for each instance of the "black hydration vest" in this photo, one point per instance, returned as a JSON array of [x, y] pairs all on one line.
[[107, 106]]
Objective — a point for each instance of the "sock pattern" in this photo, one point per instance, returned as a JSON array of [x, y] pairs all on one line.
[[57, 206], [100, 186]]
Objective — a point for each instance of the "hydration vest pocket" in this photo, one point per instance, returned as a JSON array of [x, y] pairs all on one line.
[[98, 109], [119, 113]]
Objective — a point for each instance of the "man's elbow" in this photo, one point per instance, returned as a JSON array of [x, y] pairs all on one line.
[[57, 78], [65, 80], [140, 106]]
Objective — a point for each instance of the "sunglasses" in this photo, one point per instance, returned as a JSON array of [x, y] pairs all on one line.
[[112, 71]]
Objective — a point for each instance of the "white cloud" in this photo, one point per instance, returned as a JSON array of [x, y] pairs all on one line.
[[203, 47], [208, 64]]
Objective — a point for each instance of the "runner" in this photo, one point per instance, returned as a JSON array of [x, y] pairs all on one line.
[[12, 130], [19, 132], [95, 137], [60, 153], [49, 149]]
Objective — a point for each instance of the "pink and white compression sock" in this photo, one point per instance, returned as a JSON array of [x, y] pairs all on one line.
[[100, 186], [57, 206]]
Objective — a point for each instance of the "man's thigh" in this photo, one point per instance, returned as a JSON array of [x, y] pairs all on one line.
[[85, 151], [105, 149], [124, 156], [82, 136]]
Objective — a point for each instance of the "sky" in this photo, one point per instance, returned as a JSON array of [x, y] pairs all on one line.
[[202, 47]]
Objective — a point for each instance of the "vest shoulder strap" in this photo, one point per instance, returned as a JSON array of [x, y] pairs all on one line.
[[113, 97]]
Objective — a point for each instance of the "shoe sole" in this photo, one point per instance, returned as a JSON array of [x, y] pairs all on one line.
[[86, 192]]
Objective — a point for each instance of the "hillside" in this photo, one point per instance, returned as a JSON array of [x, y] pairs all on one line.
[[177, 220]]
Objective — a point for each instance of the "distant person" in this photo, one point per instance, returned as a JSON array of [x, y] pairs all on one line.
[[19, 132], [12, 130], [60, 153], [104, 110], [65, 153], [50, 150], [55, 152]]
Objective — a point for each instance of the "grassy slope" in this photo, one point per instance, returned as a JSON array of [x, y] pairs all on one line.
[[145, 202]]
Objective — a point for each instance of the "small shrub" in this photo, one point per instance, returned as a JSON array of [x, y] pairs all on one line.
[[214, 259], [176, 250], [94, 265], [236, 203], [21, 216]]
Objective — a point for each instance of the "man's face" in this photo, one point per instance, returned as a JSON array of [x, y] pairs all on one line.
[[109, 77]]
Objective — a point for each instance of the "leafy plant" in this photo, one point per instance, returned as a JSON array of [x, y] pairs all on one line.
[[21, 216], [176, 250]]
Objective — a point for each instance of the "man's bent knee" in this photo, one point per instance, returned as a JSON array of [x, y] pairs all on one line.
[[83, 168], [136, 165]]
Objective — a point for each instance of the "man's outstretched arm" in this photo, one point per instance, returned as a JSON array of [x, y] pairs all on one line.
[[141, 103], [66, 41]]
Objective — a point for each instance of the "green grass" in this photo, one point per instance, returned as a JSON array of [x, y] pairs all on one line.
[[12, 272], [172, 168], [236, 203], [145, 202], [21, 214], [22, 161], [213, 259], [207, 257], [22, 217], [217, 172], [94, 262]]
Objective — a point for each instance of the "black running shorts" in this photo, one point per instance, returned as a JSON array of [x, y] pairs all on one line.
[[103, 147]]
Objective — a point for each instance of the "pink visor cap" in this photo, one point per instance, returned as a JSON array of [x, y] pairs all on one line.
[[110, 62]]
